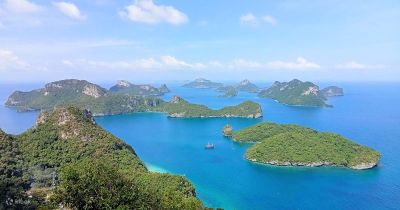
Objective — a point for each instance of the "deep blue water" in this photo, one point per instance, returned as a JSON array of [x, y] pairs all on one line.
[[369, 114]]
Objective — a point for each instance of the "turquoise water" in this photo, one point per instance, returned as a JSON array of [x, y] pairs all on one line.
[[369, 114]]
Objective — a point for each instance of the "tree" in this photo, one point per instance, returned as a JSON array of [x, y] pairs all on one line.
[[13, 183], [95, 184]]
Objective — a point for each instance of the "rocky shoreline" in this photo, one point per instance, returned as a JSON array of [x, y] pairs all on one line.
[[361, 166]]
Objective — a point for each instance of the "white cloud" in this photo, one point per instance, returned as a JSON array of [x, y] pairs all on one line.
[[301, 63], [245, 64], [356, 66], [70, 10], [269, 19], [21, 6], [145, 11], [8, 60], [166, 62], [251, 20], [248, 19]]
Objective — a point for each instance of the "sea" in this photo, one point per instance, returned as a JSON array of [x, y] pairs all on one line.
[[368, 114]]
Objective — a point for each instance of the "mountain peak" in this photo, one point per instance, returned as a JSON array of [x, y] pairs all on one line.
[[123, 83], [62, 116], [245, 82]]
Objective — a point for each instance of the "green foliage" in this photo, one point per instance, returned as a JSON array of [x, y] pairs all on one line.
[[332, 91], [72, 93], [13, 181], [298, 145], [228, 91], [121, 100], [181, 108], [227, 130], [126, 87], [295, 92], [261, 131], [95, 184], [67, 140], [247, 86]]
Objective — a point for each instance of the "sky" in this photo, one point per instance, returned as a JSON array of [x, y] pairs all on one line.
[[160, 40]]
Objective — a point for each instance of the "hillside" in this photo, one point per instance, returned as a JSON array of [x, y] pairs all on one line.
[[227, 91], [299, 146], [126, 87], [202, 83], [178, 107], [81, 94], [247, 86], [296, 93], [332, 91], [68, 141], [121, 99]]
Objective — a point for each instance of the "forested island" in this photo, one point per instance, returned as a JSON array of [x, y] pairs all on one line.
[[67, 160], [203, 84], [293, 145], [122, 98], [178, 107], [332, 91], [227, 91], [126, 87], [247, 86], [299, 93]]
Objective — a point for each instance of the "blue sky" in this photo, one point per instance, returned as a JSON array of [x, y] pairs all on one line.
[[153, 40]]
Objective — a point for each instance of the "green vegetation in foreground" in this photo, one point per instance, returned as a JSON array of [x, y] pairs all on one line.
[[77, 163], [181, 108], [296, 93], [295, 145]]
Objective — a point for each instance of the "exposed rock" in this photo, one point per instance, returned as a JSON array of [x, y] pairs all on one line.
[[227, 130], [363, 166], [123, 83], [176, 99], [311, 90], [92, 90]]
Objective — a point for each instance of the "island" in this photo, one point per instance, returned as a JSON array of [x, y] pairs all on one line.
[[67, 160], [180, 108], [99, 101], [332, 91], [293, 145], [126, 87], [203, 84], [164, 89], [81, 94], [247, 86], [227, 91], [295, 93]]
